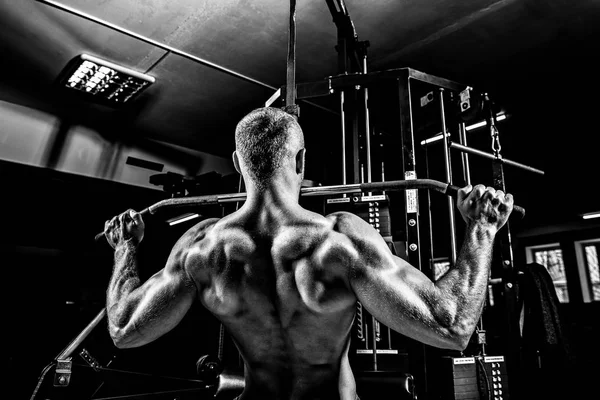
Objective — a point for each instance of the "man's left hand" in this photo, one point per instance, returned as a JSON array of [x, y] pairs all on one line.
[[126, 227]]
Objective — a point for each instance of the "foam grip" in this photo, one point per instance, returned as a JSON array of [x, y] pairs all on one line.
[[517, 210]]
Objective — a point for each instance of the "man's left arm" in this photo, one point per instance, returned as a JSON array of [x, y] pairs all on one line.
[[140, 313]]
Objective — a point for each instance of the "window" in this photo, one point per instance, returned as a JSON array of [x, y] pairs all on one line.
[[587, 258], [551, 257]]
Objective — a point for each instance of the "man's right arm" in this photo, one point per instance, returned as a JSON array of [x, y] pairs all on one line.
[[442, 314]]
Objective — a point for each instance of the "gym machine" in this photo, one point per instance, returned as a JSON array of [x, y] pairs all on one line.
[[417, 95], [376, 354]]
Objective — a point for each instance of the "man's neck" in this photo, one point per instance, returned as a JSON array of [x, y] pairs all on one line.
[[278, 192]]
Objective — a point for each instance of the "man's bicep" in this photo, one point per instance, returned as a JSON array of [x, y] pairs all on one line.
[[394, 292], [406, 300], [163, 300]]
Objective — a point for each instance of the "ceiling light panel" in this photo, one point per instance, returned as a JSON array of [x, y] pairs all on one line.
[[104, 80]]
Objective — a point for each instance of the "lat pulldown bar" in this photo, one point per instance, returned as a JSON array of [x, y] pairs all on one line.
[[429, 184]]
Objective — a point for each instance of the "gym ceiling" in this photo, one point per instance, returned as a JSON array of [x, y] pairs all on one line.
[[537, 58]]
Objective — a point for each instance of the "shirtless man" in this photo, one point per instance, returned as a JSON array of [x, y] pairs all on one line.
[[284, 281]]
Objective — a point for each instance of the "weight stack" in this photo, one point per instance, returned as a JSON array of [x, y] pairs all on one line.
[[375, 349], [472, 378], [374, 209]]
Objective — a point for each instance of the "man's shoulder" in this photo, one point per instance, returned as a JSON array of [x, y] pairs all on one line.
[[196, 234], [203, 227], [349, 224]]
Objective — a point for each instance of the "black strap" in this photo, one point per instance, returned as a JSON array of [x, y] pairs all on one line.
[[290, 91]]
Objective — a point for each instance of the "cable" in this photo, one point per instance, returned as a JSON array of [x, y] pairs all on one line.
[[41, 379], [482, 372]]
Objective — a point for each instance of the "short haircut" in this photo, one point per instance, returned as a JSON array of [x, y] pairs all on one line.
[[263, 139]]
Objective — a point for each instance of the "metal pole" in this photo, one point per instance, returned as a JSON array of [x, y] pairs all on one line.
[[374, 341], [367, 124], [344, 181], [417, 351], [448, 169], [462, 138], [490, 156], [153, 42], [81, 337]]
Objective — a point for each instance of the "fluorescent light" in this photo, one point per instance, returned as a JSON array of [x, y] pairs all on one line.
[[105, 80], [432, 139], [475, 126], [439, 136], [591, 215], [182, 218], [499, 117]]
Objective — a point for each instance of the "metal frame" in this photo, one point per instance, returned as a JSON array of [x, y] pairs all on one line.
[[503, 239], [341, 83], [402, 77]]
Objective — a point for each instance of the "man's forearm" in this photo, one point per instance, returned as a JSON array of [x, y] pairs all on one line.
[[466, 283], [124, 280]]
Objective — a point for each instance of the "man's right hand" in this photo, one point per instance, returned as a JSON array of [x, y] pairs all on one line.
[[128, 226], [484, 205]]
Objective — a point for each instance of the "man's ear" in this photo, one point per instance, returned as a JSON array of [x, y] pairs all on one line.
[[300, 161], [236, 162]]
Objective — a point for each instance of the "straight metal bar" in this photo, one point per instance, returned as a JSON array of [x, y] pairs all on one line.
[[409, 170], [509, 280], [153, 42], [490, 156], [81, 337], [374, 341], [348, 80], [462, 138], [436, 80], [417, 351], [354, 132], [448, 170], [343, 119], [367, 124]]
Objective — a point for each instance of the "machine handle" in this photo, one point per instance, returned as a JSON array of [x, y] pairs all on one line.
[[453, 191]]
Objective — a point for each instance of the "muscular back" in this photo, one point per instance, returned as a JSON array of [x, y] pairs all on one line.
[[279, 283], [284, 281]]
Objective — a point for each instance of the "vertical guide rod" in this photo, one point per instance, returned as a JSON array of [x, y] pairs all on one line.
[[367, 124], [343, 119], [374, 341], [462, 138], [448, 169]]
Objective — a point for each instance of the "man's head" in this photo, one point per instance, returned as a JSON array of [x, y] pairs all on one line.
[[268, 141]]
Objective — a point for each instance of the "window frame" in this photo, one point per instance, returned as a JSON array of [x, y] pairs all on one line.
[[530, 257], [583, 268]]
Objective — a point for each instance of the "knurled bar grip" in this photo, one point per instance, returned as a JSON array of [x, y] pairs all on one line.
[[429, 184]]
